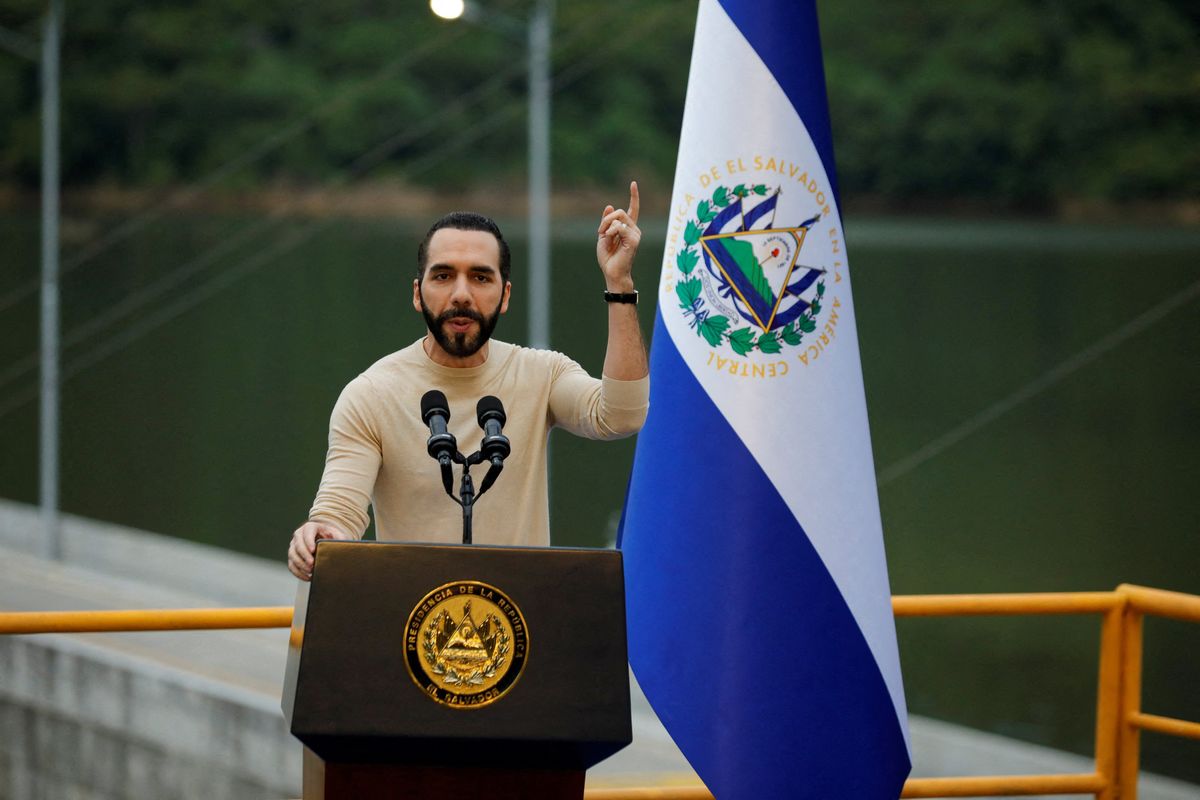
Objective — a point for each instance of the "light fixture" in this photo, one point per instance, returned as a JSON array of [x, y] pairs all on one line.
[[448, 9]]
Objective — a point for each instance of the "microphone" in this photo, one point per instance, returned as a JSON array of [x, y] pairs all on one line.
[[495, 447], [435, 412]]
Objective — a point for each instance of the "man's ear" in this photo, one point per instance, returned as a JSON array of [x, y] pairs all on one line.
[[504, 300], [417, 294]]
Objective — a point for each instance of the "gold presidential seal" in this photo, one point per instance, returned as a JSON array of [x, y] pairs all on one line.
[[465, 644]]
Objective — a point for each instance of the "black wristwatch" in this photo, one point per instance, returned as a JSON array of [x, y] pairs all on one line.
[[621, 297]]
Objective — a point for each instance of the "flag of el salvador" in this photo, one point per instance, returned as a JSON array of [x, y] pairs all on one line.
[[759, 612]]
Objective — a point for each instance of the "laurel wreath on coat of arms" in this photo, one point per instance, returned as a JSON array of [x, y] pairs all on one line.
[[715, 328]]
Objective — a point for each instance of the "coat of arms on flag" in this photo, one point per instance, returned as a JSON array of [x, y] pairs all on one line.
[[752, 273]]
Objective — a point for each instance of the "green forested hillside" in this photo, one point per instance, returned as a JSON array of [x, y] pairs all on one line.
[[1020, 100], [1022, 103]]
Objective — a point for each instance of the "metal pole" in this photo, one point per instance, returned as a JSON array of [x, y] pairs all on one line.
[[538, 31], [48, 462]]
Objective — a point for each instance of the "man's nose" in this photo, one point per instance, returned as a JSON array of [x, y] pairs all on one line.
[[461, 296]]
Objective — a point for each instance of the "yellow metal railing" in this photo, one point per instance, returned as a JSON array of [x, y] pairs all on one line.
[[157, 619], [1119, 718]]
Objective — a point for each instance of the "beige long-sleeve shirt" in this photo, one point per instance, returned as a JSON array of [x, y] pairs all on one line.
[[377, 442]]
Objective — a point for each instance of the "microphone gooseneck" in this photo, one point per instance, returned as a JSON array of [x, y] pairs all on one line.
[[442, 446]]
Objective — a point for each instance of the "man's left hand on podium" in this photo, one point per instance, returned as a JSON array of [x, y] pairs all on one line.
[[303, 549]]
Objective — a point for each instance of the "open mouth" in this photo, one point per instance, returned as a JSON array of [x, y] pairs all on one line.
[[460, 324]]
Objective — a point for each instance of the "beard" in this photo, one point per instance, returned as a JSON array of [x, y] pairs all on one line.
[[460, 345]]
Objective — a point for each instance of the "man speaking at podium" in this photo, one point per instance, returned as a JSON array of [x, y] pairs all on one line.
[[377, 436]]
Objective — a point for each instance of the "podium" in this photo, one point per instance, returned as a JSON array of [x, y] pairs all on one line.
[[419, 671]]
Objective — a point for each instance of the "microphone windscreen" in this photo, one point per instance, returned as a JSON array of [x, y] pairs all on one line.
[[434, 402], [490, 406]]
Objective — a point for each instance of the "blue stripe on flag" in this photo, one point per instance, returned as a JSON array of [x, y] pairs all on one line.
[[786, 37], [798, 708]]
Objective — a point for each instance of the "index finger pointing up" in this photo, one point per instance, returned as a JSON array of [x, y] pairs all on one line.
[[635, 201]]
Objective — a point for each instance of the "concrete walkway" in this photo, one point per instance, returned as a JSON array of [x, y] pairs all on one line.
[[190, 714]]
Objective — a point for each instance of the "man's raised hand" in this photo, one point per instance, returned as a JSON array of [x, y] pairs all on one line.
[[617, 242]]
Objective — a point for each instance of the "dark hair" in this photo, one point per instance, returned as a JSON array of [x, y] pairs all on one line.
[[466, 221]]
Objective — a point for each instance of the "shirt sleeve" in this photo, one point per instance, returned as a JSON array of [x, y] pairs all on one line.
[[352, 462], [597, 409]]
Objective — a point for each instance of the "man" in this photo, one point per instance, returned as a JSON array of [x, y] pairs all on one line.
[[377, 437]]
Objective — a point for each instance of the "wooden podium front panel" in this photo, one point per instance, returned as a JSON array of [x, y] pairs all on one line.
[[355, 700], [324, 781]]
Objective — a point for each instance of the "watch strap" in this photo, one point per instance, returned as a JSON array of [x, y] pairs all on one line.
[[621, 297]]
